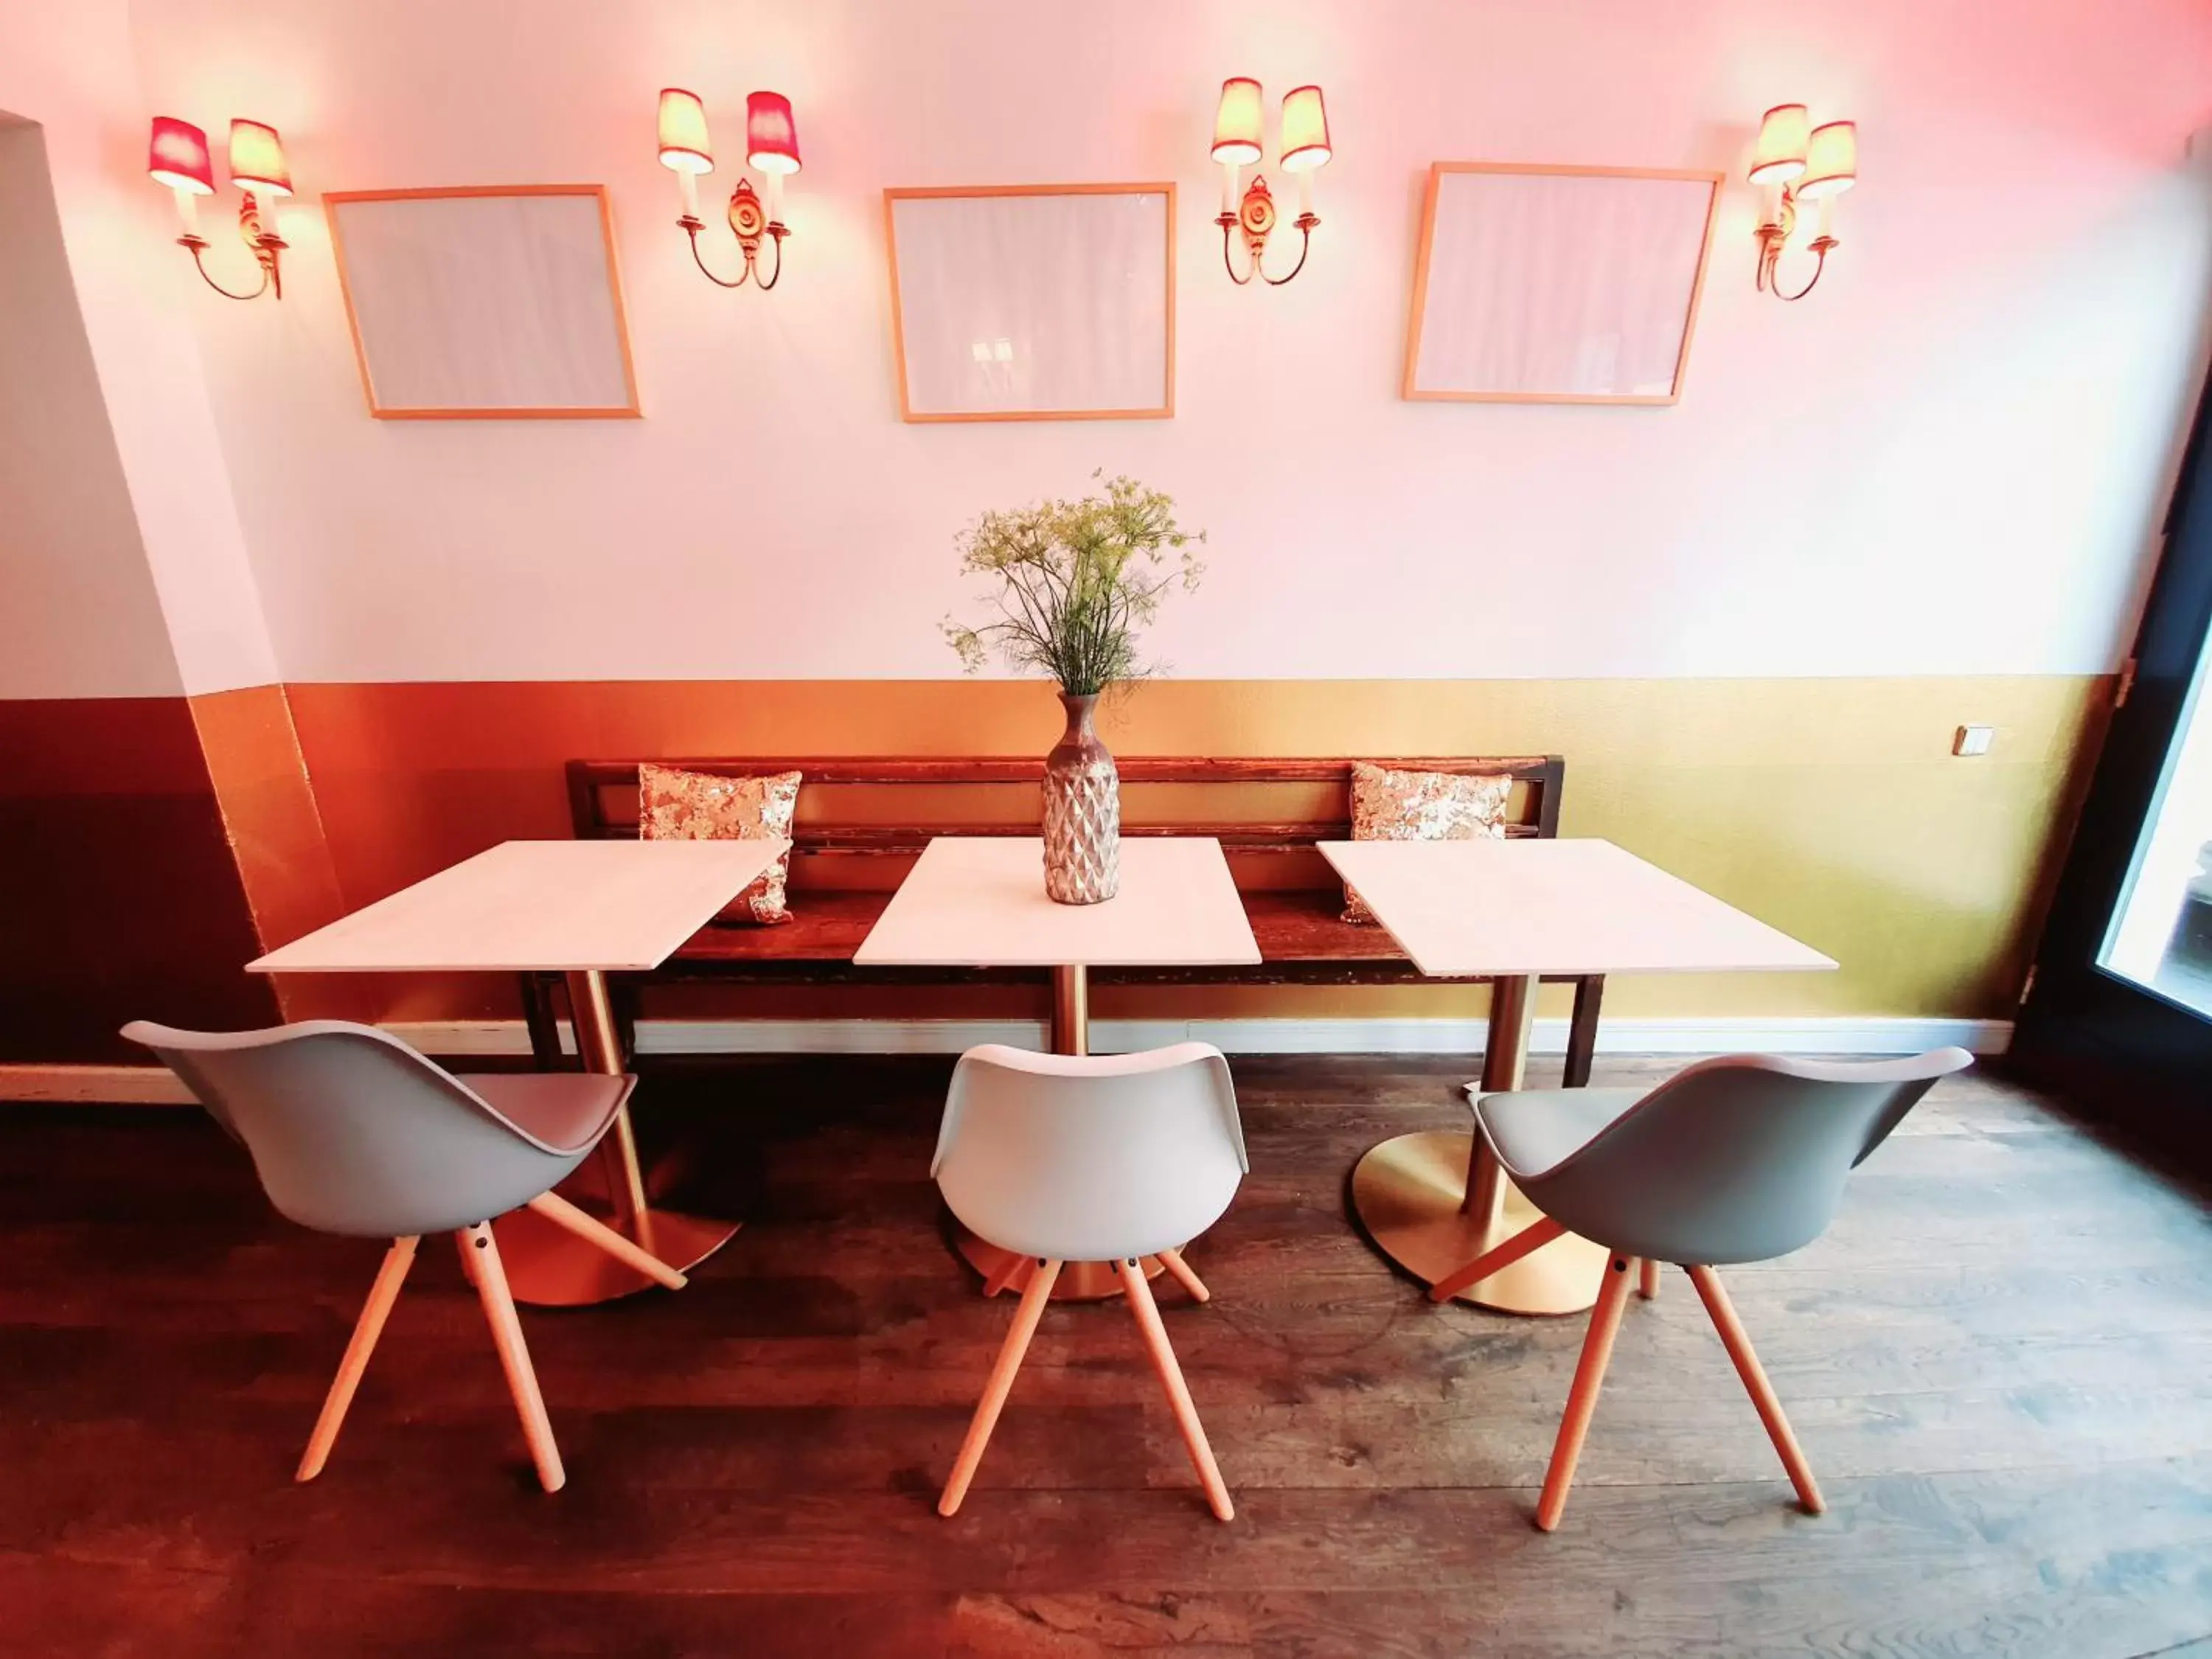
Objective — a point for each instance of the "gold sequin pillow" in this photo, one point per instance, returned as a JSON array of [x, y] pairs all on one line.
[[674, 805], [1388, 806]]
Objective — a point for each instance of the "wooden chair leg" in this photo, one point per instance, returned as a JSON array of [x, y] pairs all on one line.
[[1530, 1239], [1186, 1413], [514, 1355], [1753, 1374], [1648, 1287], [366, 1329], [1035, 1295], [1581, 1399], [1172, 1259], [587, 1226]]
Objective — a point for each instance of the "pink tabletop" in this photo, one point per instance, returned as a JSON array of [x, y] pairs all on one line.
[[611, 905], [979, 902], [1468, 908]]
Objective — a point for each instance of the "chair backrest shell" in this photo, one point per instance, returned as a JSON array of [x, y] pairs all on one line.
[[1089, 1158], [1741, 1158], [352, 1131]]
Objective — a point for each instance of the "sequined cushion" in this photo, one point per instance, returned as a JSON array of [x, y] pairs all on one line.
[[674, 805], [1388, 806]]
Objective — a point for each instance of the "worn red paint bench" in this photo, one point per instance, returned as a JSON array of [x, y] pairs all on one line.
[[862, 821]]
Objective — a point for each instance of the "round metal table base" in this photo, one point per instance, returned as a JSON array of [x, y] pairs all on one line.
[[1079, 1281], [549, 1267], [1407, 1193]]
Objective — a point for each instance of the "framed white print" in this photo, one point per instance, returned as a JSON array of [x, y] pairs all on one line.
[[1570, 285], [494, 304], [1033, 302]]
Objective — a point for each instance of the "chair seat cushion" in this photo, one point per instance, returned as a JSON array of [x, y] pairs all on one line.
[[1533, 1130], [567, 1111]]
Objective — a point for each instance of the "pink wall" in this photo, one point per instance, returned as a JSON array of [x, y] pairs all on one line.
[[72, 68], [1948, 460]]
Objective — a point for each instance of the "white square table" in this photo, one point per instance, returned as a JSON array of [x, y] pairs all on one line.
[[979, 902], [1510, 911], [586, 908]]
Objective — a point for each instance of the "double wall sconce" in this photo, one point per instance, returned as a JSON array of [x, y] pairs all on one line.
[[177, 156], [771, 149], [1799, 163], [1238, 143]]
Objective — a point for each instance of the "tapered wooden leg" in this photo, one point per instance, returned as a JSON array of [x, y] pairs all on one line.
[[1184, 1277], [514, 1355], [1186, 1414], [1755, 1384], [1581, 1399], [366, 1329], [1527, 1241], [559, 1210], [1648, 1288], [1035, 1295]]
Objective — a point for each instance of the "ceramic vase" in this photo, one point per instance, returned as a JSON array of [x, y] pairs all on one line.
[[1082, 812]]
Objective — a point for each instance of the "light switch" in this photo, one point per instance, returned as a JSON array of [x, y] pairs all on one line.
[[1973, 739]]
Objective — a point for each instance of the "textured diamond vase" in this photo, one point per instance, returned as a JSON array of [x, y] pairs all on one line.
[[1082, 812]]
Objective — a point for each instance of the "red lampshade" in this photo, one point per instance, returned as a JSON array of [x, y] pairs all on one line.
[[1236, 123], [177, 155], [683, 145], [771, 135], [1305, 131], [256, 160]]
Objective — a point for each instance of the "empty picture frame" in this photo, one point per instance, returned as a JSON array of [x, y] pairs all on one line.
[[1557, 285], [494, 304], [1033, 302]]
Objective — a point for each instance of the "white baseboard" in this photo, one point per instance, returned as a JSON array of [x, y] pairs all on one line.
[[152, 1085], [110, 1086], [1869, 1036]]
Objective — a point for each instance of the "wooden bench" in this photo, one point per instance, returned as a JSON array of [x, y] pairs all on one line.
[[862, 821]]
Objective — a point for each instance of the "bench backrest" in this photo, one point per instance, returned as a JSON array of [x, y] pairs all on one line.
[[863, 819]]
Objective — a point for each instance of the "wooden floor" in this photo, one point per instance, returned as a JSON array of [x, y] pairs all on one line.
[[1999, 1362]]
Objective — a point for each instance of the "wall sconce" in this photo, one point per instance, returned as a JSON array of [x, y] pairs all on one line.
[[771, 149], [1798, 165], [177, 155], [1238, 143]]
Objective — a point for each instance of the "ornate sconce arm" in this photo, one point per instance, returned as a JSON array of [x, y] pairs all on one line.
[[750, 225], [1257, 218], [266, 246], [1771, 258]]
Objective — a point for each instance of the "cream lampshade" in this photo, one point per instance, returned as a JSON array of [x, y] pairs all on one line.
[[256, 160], [1305, 131], [1780, 155], [683, 143], [1832, 161], [1236, 123]]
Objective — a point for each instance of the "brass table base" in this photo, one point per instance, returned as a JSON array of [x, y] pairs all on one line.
[[1079, 1281], [549, 1267], [1407, 1194]]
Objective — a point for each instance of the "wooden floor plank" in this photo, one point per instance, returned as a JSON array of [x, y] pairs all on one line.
[[1997, 1362]]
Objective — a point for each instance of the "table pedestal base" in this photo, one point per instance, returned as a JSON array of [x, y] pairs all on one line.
[[1407, 1194], [549, 1267], [1079, 1281]]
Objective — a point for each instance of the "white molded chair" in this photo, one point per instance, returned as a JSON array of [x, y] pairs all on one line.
[[1741, 1159], [1114, 1158], [353, 1132]]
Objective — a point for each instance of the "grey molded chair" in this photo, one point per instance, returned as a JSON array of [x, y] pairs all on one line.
[[1108, 1157], [353, 1132], [1737, 1159]]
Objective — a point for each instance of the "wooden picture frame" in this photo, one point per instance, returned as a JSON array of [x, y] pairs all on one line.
[[499, 303], [1558, 284], [1067, 280]]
